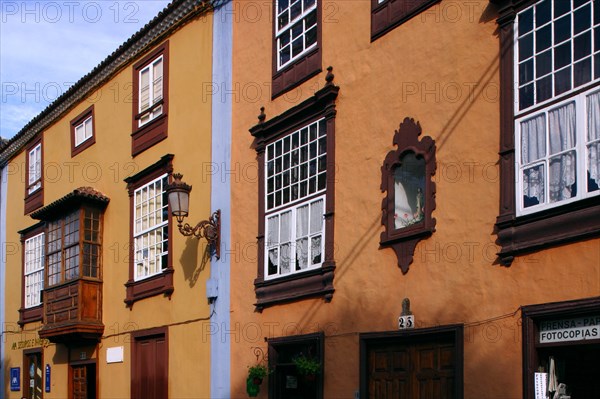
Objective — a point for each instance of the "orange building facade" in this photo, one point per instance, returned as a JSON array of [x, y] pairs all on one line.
[[105, 294], [426, 211], [408, 196]]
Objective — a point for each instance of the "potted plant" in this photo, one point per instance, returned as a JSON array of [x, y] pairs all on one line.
[[309, 367], [256, 373]]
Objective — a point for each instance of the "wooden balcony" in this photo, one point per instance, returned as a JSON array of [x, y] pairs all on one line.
[[73, 311]]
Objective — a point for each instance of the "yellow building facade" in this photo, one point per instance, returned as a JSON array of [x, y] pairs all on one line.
[[104, 297], [406, 194]]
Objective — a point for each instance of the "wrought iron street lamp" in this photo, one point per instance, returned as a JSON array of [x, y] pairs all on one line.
[[179, 201]]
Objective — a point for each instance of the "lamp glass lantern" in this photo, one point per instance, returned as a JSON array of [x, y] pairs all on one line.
[[179, 197]]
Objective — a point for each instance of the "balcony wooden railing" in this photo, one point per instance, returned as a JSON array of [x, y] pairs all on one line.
[[73, 311]]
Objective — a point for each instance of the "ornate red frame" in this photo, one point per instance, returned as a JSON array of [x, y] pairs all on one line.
[[403, 241]]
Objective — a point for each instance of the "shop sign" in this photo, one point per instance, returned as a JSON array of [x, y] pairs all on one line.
[[31, 343], [48, 377], [15, 378], [577, 329]]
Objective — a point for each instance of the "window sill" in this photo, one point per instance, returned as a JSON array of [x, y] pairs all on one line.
[[151, 133], [388, 15], [312, 283], [296, 73], [30, 315], [155, 285], [570, 222]]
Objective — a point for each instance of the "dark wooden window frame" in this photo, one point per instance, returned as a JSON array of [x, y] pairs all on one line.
[[161, 283], [34, 200], [316, 282], [304, 67], [532, 315], [140, 335], [403, 241], [81, 211], [144, 137], [524, 234], [26, 353], [317, 339], [76, 149], [457, 330], [391, 13], [28, 315]]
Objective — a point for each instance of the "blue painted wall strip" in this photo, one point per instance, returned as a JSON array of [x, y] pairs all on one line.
[[221, 197], [3, 196]]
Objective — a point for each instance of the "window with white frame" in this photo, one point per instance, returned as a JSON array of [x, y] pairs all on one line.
[[151, 228], [150, 91], [34, 174], [34, 270], [557, 107], [83, 131], [296, 29], [295, 184]]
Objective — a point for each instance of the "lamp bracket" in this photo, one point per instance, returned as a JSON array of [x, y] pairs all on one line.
[[209, 229]]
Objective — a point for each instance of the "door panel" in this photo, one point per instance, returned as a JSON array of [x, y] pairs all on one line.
[[150, 368], [411, 370], [83, 381]]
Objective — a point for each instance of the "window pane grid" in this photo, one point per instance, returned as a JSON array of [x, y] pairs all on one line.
[[296, 29], [296, 166], [558, 160], [295, 239], [74, 251], [151, 228], [34, 270], [83, 131], [558, 50], [151, 90], [35, 168]]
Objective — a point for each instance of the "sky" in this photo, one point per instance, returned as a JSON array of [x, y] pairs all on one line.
[[47, 45]]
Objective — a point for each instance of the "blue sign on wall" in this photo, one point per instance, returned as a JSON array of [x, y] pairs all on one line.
[[48, 378], [15, 378]]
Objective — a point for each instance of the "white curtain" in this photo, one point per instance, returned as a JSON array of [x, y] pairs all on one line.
[[316, 226], [562, 138], [284, 240], [302, 220], [403, 213], [593, 111], [533, 147], [273, 238]]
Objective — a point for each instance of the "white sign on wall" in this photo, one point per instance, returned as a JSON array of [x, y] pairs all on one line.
[[114, 355], [577, 329]]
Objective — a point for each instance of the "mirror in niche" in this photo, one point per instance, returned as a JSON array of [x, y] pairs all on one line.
[[409, 188]]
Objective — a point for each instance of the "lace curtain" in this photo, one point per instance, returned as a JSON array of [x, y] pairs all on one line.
[[561, 172], [563, 166], [533, 148], [593, 111], [302, 241]]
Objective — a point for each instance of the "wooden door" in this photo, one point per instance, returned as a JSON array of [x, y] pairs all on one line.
[[33, 388], [421, 370], [83, 381], [150, 368], [80, 382]]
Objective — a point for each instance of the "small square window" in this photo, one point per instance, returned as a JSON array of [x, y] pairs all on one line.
[[83, 131]]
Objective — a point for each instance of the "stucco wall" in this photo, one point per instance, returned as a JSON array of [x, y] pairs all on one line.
[[104, 166], [440, 68]]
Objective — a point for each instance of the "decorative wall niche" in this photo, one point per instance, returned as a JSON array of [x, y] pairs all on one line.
[[406, 178]]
